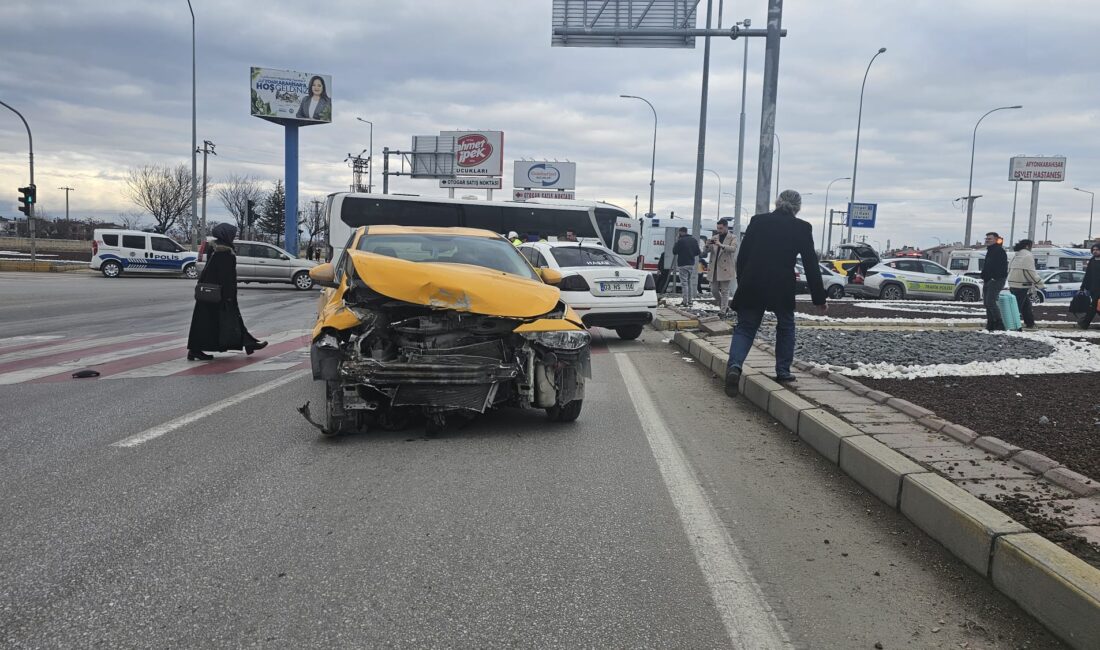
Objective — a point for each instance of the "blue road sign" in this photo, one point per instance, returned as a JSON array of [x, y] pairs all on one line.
[[862, 215]]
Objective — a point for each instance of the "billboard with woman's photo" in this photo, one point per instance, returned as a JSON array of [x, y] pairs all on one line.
[[290, 95]]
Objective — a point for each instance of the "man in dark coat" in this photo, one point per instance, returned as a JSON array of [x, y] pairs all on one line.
[[1092, 285], [219, 326], [686, 250], [765, 282], [994, 274]]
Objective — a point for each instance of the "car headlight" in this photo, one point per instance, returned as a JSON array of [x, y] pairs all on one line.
[[567, 340]]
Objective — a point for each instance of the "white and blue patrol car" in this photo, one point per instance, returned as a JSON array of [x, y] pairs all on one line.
[[911, 278], [1058, 286], [133, 251]]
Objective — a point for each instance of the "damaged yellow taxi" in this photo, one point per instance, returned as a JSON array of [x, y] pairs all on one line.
[[435, 325]]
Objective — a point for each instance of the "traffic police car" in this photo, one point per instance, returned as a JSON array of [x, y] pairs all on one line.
[[906, 277]]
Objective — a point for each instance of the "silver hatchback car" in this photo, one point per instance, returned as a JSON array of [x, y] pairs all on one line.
[[261, 262]]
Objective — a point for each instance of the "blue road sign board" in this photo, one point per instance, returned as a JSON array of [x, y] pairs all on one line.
[[862, 215]]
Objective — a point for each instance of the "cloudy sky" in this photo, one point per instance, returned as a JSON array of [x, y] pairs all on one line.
[[106, 86]]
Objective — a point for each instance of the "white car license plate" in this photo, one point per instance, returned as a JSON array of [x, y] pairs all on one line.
[[616, 286]]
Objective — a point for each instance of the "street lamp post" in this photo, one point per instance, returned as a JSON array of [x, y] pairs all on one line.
[[370, 157], [1092, 201], [827, 188], [719, 211], [970, 184], [653, 161], [741, 133], [778, 156], [194, 137], [859, 123], [30, 208]]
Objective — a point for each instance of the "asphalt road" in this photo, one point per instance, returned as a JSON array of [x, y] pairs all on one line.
[[666, 516]]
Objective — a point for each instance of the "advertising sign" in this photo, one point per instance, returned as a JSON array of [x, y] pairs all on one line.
[[523, 195], [490, 183], [477, 153], [1037, 168], [290, 95], [862, 215], [541, 173]]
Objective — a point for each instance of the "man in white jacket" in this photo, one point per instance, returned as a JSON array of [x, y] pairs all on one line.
[[1024, 279]]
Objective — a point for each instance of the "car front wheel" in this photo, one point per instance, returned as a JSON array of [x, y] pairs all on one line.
[[1036, 297], [967, 294], [302, 281], [835, 292], [565, 412], [892, 292], [191, 272]]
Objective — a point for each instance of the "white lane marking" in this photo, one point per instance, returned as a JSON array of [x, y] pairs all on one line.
[[72, 346], [28, 374], [172, 425], [749, 620], [12, 341], [167, 368], [267, 366]]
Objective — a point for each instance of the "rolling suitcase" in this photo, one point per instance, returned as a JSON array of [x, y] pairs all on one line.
[[1010, 311]]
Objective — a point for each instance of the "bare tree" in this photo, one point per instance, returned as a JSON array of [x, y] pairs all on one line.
[[162, 191], [312, 219], [235, 192], [131, 220]]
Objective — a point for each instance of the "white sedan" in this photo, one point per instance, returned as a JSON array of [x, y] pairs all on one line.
[[1058, 285], [599, 285]]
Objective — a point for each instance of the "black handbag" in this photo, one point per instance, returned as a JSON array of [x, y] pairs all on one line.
[[1081, 303], [208, 292]]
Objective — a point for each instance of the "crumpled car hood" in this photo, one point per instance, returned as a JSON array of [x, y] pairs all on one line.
[[460, 287]]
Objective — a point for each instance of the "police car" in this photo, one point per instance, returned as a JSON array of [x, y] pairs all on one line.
[[599, 285], [900, 278], [1058, 286], [133, 251]]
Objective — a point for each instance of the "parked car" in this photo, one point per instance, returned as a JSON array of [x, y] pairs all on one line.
[[834, 282], [907, 277], [115, 251], [599, 285], [262, 262], [1058, 285], [442, 324]]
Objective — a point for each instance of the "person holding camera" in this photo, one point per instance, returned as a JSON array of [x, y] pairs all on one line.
[[722, 249]]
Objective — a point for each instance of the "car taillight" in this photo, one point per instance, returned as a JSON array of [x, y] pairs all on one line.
[[202, 247], [95, 248], [573, 283], [650, 283]]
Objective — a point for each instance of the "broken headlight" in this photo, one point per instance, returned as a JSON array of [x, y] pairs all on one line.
[[568, 340]]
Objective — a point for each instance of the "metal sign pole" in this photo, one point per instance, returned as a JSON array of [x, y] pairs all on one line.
[[290, 228], [1034, 211], [767, 106], [697, 213]]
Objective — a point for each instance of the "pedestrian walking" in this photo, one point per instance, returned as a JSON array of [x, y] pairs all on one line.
[[686, 250], [1091, 284], [994, 274], [1023, 280], [216, 323], [765, 282], [722, 249]]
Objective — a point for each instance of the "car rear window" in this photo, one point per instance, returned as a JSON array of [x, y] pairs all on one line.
[[110, 240], [567, 256]]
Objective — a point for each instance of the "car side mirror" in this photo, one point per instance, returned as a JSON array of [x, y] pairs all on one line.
[[550, 276], [324, 275]]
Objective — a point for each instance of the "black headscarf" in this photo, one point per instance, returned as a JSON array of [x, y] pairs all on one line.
[[224, 233]]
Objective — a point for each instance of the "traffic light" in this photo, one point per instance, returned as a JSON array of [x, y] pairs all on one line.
[[27, 199]]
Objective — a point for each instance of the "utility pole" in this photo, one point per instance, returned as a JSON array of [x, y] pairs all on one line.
[[67, 190], [359, 166], [1047, 223], [314, 222], [741, 135], [207, 148], [30, 206], [697, 213]]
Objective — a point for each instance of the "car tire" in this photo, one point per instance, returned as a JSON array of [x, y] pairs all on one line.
[[302, 281], [1037, 298], [629, 332], [191, 272], [892, 292], [111, 269], [835, 292], [565, 412], [968, 294]]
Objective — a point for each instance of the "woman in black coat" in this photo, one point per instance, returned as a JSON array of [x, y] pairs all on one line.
[[219, 326], [1092, 285]]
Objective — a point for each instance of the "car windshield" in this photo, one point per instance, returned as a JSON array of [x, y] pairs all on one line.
[[486, 252], [567, 256]]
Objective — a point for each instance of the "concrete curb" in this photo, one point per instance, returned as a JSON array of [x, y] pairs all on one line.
[[40, 267], [1057, 588]]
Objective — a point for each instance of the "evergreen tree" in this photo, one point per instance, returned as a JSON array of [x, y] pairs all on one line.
[[273, 212]]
